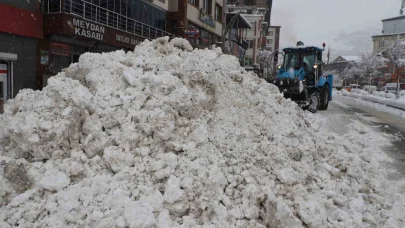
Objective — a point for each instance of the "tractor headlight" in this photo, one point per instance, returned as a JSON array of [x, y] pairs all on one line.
[[315, 66], [279, 66]]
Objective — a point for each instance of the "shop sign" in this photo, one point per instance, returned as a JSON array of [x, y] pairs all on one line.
[[44, 57], [207, 19], [88, 29], [191, 33], [127, 40], [60, 49]]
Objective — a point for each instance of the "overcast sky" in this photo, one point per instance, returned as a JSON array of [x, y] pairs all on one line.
[[345, 25]]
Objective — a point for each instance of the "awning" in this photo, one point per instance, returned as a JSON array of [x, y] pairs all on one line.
[[241, 21]]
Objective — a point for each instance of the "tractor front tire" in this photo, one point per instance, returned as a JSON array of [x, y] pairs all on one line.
[[323, 97]]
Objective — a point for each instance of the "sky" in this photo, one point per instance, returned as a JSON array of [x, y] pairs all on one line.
[[344, 25]]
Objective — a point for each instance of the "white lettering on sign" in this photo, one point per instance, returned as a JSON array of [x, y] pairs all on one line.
[[127, 40], [88, 29]]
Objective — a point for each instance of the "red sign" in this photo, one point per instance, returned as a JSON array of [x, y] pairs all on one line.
[[21, 22], [191, 33], [3, 70], [60, 49]]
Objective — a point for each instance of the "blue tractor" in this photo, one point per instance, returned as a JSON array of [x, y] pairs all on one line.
[[300, 78]]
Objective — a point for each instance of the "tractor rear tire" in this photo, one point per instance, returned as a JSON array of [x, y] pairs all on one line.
[[323, 97]]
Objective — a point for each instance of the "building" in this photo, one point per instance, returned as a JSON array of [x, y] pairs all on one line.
[[273, 41], [254, 38], [346, 59], [393, 29], [73, 27], [273, 38], [199, 21], [40, 38], [21, 30]]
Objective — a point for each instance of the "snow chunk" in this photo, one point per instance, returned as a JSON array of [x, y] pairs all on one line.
[[139, 215], [54, 180], [116, 159]]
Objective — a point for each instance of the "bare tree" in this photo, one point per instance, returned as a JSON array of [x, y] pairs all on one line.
[[396, 55], [369, 64]]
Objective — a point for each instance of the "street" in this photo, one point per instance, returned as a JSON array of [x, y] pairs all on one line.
[[342, 112]]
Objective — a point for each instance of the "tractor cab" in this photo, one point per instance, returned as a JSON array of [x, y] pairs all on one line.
[[303, 63], [300, 77]]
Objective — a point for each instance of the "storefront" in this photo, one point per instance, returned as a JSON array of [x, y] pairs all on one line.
[[199, 37], [68, 37], [20, 30]]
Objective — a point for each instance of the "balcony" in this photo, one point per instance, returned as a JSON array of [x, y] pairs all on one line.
[[108, 18]]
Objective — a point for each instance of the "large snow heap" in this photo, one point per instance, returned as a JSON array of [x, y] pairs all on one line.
[[168, 136]]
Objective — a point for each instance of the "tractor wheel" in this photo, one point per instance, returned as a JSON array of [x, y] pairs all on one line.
[[323, 97], [313, 103]]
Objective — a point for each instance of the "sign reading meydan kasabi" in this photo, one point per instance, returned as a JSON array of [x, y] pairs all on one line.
[[127, 40], [88, 29]]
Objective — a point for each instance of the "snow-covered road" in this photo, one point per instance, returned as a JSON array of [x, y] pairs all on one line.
[[343, 112]]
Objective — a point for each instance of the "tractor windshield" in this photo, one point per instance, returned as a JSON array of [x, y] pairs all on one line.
[[297, 59]]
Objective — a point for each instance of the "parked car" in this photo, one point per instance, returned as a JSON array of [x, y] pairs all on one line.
[[370, 89], [390, 88], [353, 86]]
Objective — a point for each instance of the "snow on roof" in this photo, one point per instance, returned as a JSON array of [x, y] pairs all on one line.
[[303, 47], [394, 18], [350, 57], [388, 34]]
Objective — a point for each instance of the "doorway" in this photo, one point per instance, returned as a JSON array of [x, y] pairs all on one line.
[[3, 85]]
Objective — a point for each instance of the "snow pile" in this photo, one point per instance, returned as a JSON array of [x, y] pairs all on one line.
[[384, 94], [168, 136], [388, 99]]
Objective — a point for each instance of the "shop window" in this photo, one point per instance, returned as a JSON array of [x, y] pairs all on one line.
[[58, 62], [218, 13], [194, 3]]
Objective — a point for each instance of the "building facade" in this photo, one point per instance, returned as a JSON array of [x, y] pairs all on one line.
[[198, 21], [254, 38], [393, 29], [40, 38], [21, 30]]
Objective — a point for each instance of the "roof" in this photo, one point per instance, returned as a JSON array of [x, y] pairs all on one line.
[[394, 18], [302, 47], [243, 21], [347, 58], [252, 17], [350, 57], [389, 34]]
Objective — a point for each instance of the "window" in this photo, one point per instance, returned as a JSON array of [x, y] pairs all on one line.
[[271, 33], [381, 43], [248, 61], [208, 6], [218, 13], [270, 41], [251, 44], [194, 2]]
